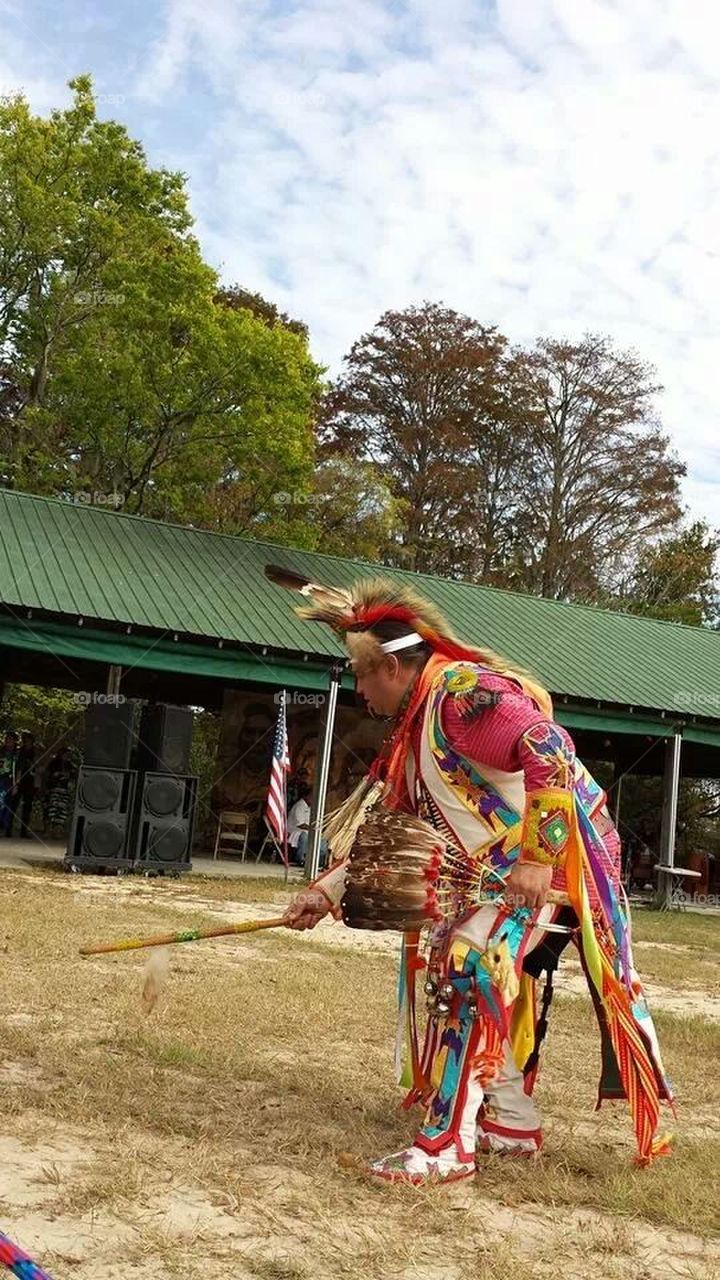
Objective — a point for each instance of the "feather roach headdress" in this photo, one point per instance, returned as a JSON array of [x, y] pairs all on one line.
[[355, 613]]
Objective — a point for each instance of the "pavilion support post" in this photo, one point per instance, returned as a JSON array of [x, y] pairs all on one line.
[[113, 680], [668, 829], [317, 816]]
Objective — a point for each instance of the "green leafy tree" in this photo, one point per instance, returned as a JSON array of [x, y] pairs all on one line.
[[176, 404], [52, 715], [77, 198], [677, 579], [351, 510], [125, 372]]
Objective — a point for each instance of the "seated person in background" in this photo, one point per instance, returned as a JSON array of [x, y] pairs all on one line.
[[298, 826], [299, 829]]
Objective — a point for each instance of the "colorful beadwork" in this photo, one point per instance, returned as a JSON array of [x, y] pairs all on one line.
[[551, 745], [462, 681], [464, 684], [546, 828]]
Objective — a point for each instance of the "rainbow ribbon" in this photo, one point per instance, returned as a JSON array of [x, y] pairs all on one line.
[[18, 1262]]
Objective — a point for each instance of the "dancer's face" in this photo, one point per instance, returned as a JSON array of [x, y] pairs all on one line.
[[383, 687]]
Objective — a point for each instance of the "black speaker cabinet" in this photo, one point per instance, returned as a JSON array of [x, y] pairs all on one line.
[[164, 739], [108, 734], [165, 822], [100, 833]]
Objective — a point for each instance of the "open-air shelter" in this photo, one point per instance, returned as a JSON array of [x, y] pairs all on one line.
[[96, 600]]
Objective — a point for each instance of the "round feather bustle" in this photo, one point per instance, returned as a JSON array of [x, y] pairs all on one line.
[[394, 867]]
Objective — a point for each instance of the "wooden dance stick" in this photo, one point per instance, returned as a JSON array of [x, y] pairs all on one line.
[[183, 935], [243, 926]]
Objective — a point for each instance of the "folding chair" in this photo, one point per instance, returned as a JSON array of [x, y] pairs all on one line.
[[270, 840], [232, 834]]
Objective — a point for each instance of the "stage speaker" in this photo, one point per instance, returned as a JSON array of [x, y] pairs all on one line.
[[165, 821], [102, 820], [108, 734], [164, 739]]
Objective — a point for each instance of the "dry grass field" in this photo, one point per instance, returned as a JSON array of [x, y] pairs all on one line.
[[220, 1136]]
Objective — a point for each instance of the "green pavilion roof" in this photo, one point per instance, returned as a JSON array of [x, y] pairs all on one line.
[[66, 562]]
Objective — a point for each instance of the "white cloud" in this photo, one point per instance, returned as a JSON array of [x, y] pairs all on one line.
[[44, 88], [550, 166]]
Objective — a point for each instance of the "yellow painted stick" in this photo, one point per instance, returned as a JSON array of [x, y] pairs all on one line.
[[243, 926], [183, 935]]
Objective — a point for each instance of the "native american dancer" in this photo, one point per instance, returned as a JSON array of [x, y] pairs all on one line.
[[474, 751]]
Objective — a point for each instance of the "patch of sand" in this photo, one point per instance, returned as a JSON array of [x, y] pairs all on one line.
[[666, 1255], [31, 1172], [22, 1073], [223, 1234], [99, 1244]]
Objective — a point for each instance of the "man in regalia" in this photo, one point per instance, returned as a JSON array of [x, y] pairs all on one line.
[[473, 749]]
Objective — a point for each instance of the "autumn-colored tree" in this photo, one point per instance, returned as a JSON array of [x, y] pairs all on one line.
[[428, 396]]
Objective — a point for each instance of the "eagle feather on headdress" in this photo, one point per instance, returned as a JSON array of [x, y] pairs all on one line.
[[331, 605]]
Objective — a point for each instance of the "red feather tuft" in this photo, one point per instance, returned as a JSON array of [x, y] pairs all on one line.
[[370, 614]]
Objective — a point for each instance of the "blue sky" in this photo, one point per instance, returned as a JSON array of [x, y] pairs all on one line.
[[549, 166]]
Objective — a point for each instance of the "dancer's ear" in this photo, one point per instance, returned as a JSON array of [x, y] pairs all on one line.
[[392, 666]]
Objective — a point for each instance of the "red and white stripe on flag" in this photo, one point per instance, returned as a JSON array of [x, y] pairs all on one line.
[[276, 807]]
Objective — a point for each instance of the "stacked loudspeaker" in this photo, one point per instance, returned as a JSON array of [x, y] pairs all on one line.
[[134, 819], [167, 792], [105, 796]]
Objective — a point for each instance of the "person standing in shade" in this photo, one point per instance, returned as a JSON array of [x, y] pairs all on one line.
[[8, 781], [25, 787]]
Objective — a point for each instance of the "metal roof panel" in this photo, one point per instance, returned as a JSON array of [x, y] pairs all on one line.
[[64, 559]]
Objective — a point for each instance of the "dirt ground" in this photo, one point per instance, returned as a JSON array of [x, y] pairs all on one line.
[[223, 1134]]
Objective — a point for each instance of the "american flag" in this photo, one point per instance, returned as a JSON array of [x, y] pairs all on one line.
[[276, 807]]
